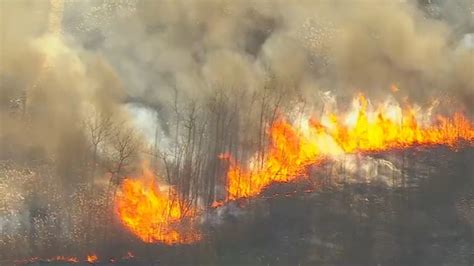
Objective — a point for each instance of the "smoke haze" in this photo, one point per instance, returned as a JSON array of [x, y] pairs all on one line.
[[153, 51], [198, 78], [196, 47]]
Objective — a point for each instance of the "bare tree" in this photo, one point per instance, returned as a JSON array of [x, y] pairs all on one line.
[[98, 127], [124, 146]]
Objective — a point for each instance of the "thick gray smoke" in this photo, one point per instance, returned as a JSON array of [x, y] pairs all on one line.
[[158, 52], [193, 48], [51, 92], [49, 84]]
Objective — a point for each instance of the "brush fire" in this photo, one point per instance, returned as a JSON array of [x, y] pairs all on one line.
[[140, 132], [294, 148], [150, 213], [154, 215]]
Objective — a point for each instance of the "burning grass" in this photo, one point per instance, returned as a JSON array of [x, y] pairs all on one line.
[[293, 148], [155, 215]]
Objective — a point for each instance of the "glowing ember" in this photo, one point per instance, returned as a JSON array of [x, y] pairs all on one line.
[[293, 148], [91, 258], [217, 204], [128, 256], [154, 215]]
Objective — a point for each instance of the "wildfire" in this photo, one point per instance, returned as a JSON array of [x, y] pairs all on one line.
[[293, 148], [154, 215]]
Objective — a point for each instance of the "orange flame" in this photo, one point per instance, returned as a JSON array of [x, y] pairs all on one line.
[[157, 216], [154, 215], [293, 148], [92, 258]]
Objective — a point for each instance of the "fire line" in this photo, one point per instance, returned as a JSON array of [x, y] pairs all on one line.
[[154, 215]]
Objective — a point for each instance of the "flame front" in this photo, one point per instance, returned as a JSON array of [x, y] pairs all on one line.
[[160, 216], [154, 215], [293, 148]]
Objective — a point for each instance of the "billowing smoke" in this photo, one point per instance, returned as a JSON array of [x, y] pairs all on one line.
[[191, 49], [55, 97], [204, 77], [156, 53], [49, 83]]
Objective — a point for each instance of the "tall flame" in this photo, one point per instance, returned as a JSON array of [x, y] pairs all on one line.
[[155, 215], [293, 148]]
